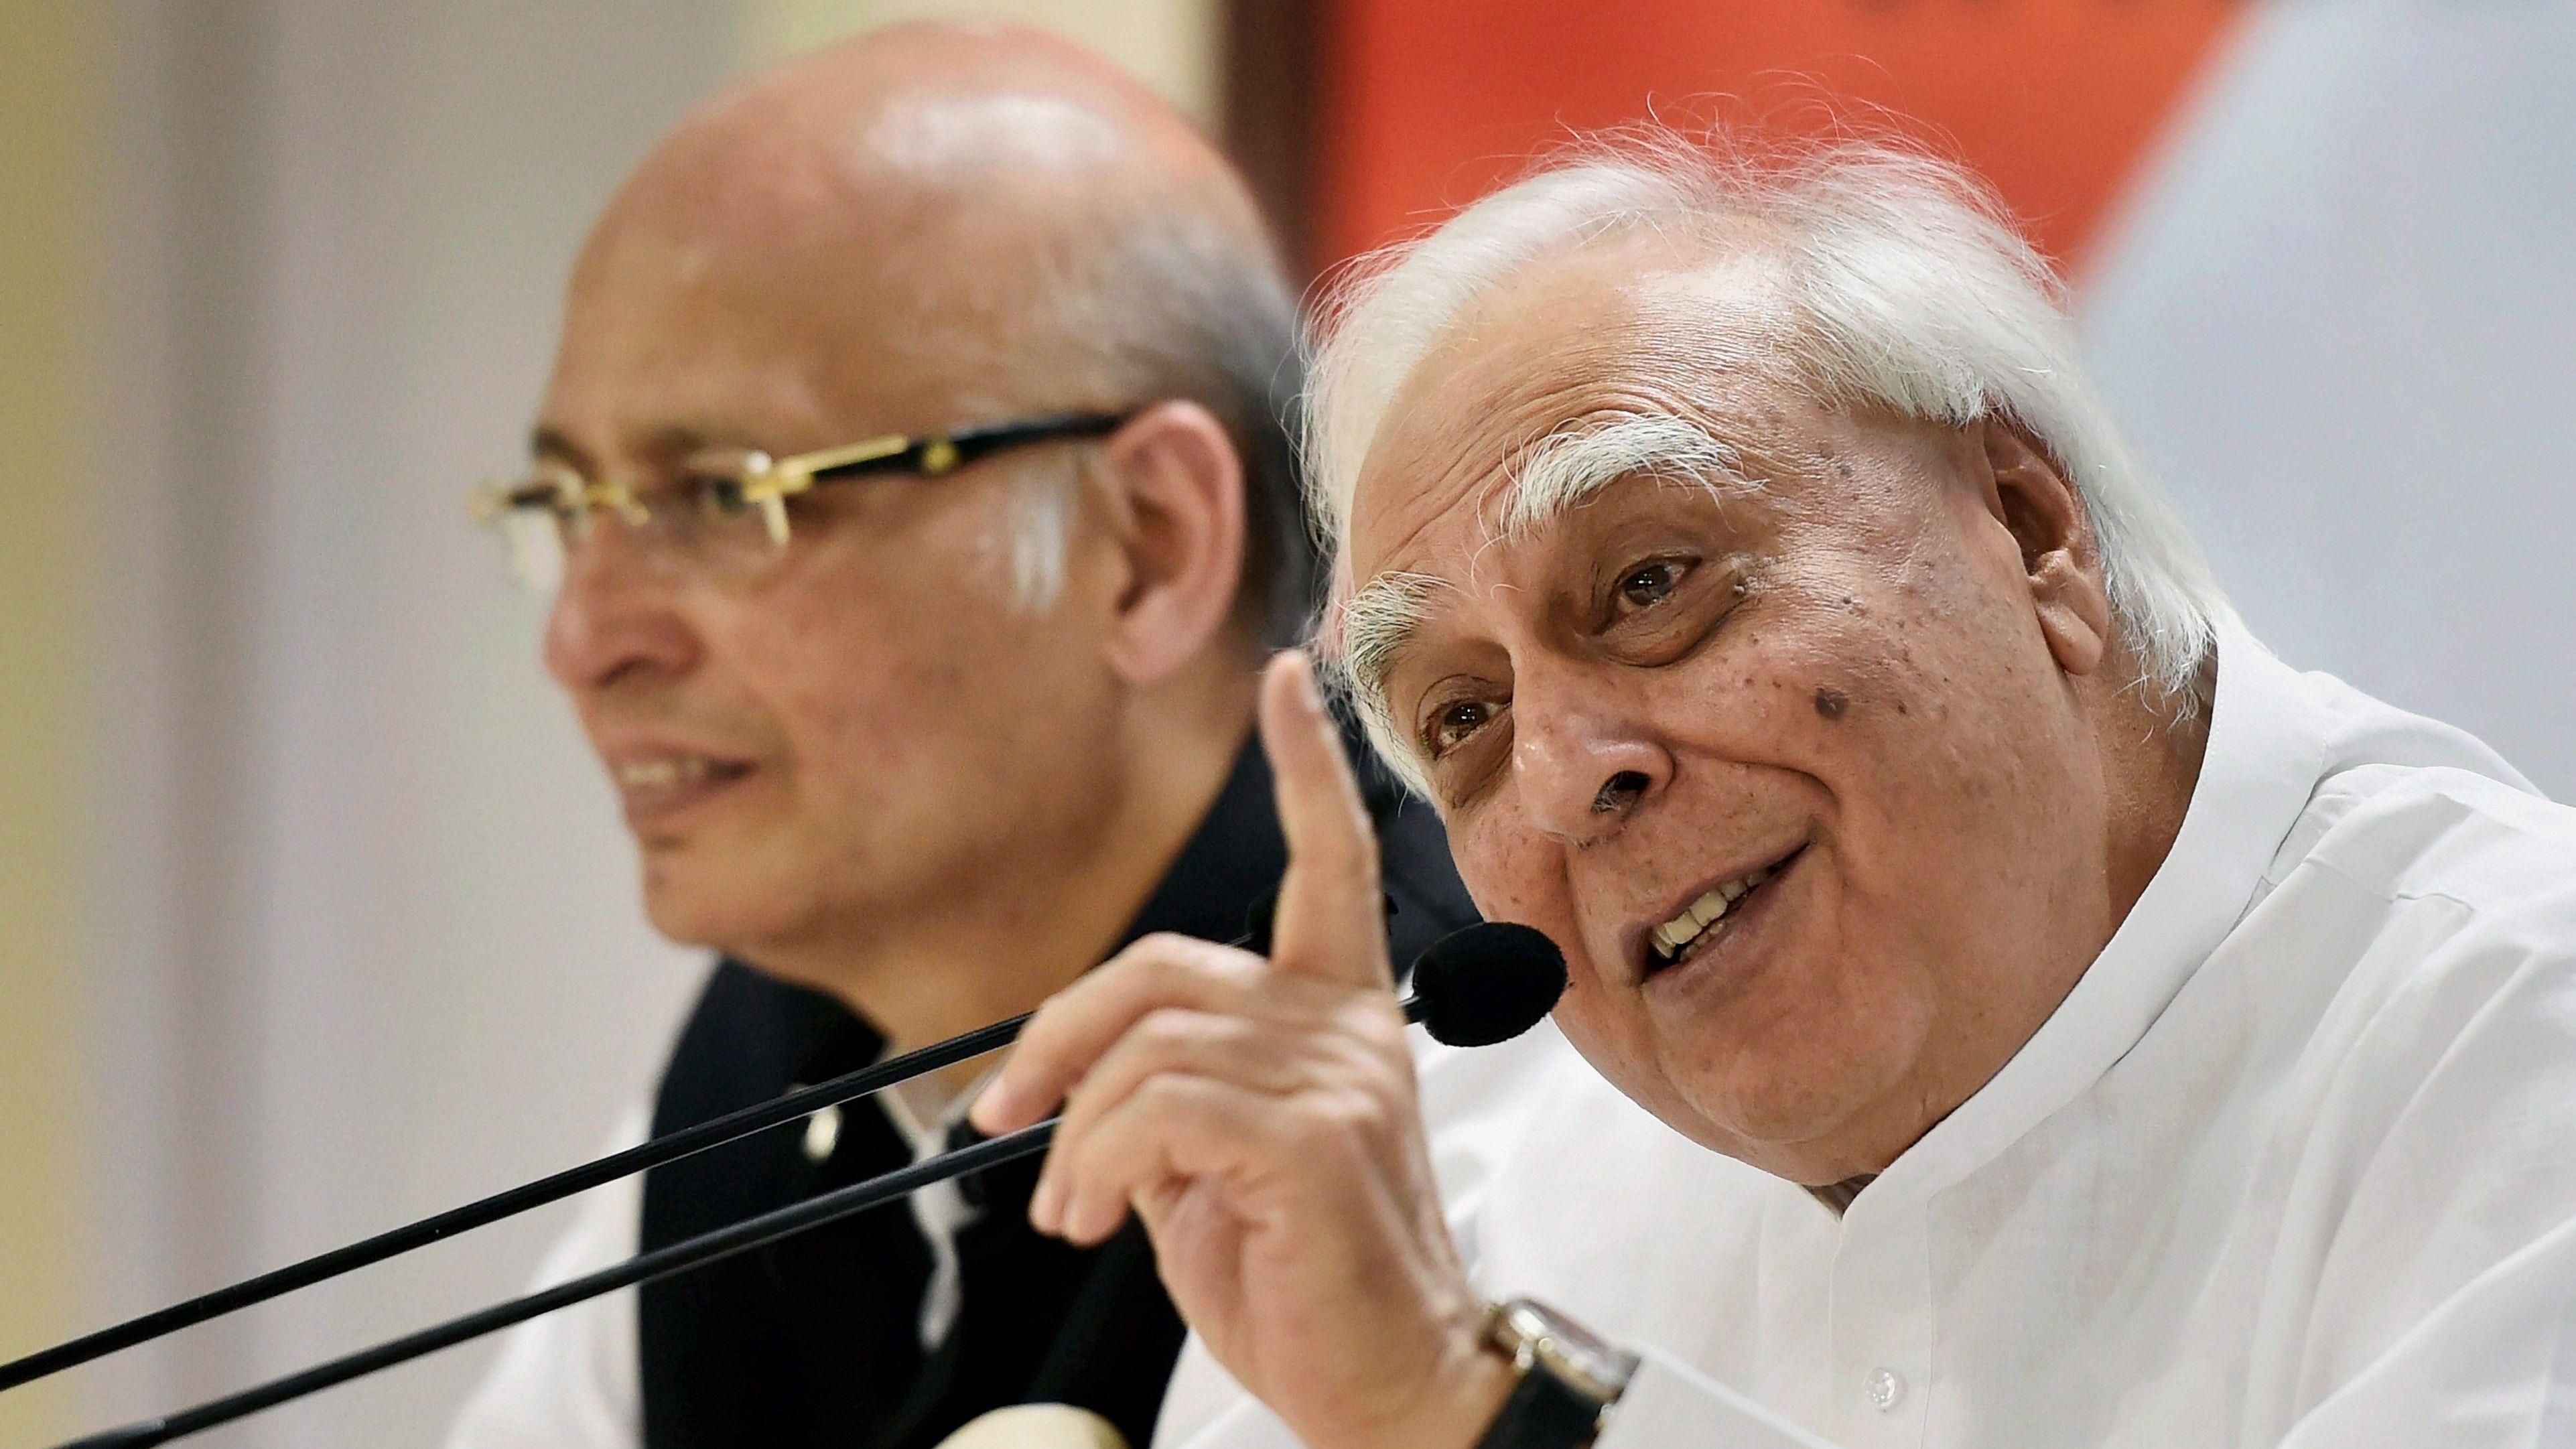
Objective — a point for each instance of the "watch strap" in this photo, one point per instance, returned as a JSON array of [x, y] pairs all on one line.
[[1543, 1412]]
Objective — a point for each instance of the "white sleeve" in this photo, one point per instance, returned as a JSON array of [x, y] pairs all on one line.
[[2493, 1368], [1671, 1406], [569, 1380]]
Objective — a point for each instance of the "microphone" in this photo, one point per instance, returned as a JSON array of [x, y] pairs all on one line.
[[1485, 984], [1490, 982]]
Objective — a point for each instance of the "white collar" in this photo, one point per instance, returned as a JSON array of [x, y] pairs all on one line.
[[2264, 755], [924, 1118]]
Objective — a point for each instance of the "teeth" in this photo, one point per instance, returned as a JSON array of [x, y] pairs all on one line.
[[645, 774], [1706, 912], [1706, 909]]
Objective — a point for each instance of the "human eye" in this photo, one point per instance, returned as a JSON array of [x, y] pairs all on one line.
[[1450, 724], [712, 493], [1654, 609], [1455, 723], [1642, 586]]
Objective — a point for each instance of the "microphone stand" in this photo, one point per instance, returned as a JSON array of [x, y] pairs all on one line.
[[714, 1132], [725, 1242], [679, 1257], [687, 1142]]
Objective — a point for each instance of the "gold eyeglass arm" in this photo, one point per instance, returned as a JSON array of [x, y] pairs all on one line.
[[770, 484], [805, 465]]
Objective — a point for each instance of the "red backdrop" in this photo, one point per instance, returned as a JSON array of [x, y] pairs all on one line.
[[1428, 103]]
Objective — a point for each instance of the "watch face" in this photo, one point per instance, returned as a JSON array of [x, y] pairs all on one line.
[[1535, 1334]]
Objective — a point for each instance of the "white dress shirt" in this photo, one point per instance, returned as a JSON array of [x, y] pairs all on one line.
[[2294, 1164]]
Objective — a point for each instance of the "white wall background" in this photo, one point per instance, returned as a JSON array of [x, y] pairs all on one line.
[[363, 940], [365, 934], [2341, 320]]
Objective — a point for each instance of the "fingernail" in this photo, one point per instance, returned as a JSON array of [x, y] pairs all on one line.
[[1045, 1205], [987, 1111], [1078, 1225]]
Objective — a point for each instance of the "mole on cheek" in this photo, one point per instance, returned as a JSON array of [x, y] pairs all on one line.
[[1831, 703]]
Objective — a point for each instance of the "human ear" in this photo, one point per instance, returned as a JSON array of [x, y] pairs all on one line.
[[1177, 512], [2032, 500]]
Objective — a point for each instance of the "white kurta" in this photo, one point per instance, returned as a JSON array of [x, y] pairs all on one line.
[[2294, 1163]]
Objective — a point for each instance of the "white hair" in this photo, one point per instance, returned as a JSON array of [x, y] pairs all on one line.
[[1904, 286]]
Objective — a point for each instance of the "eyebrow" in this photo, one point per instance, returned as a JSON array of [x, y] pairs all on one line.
[[671, 440], [1384, 617], [1379, 624], [1560, 471], [547, 441], [1569, 466]]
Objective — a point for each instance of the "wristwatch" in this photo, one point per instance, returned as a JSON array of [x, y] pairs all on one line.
[[1568, 1378]]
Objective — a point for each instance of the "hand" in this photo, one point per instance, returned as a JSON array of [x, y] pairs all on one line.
[[1260, 1116]]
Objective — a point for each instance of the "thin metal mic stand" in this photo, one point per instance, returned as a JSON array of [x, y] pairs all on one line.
[[642, 1157], [679, 1257], [539, 1192], [712, 1133]]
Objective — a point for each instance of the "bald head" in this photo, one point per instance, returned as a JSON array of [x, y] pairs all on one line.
[[960, 165], [942, 104], [941, 224]]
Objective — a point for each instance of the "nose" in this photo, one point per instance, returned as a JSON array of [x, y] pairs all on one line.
[[1583, 770], [614, 616]]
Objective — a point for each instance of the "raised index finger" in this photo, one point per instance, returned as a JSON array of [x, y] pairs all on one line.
[[1331, 920]]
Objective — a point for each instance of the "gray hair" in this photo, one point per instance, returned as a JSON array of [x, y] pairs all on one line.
[[1905, 287], [1176, 304]]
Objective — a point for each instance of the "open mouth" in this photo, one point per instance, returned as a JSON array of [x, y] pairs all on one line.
[[1704, 920]]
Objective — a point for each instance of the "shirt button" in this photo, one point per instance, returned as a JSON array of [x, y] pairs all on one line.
[[822, 1134], [1886, 1390]]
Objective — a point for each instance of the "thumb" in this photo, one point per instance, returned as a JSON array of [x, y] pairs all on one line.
[[1332, 918]]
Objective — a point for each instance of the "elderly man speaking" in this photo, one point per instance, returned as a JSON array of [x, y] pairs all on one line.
[[2061, 1023]]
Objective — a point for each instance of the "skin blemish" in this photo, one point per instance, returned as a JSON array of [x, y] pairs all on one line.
[[1831, 703]]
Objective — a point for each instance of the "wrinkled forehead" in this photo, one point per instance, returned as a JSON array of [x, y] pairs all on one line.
[[1603, 366], [1604, 336]]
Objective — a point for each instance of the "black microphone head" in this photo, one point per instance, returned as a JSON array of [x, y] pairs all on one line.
[[1487, 983]]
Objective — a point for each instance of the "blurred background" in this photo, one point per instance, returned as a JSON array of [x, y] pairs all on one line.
[[314, 913]]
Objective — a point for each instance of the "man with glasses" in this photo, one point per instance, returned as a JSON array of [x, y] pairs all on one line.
[[914, 493]]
